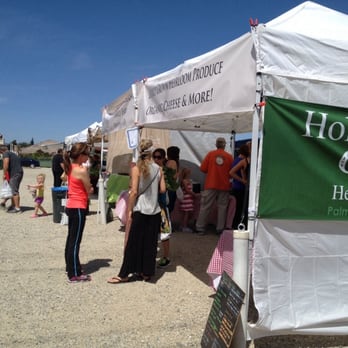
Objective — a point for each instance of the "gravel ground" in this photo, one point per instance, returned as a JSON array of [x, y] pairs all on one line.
[[39, 308]]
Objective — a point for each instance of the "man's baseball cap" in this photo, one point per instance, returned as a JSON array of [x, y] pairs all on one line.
[[220, 141]]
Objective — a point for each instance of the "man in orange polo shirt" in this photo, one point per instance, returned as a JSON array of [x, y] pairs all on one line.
[[216, 165]]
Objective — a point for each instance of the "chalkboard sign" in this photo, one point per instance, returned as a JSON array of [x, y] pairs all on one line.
[[224, 314]]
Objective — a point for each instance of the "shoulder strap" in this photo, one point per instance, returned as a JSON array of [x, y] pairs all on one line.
[[149, 184]]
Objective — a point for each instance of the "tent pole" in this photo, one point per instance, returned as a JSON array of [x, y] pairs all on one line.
[[101, 192], [101, 157], [241, 250], [101, 201], [233, 142], [243, 241], [255, 132], [136, 119]]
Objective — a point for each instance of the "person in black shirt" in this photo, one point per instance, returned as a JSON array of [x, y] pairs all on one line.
[[57, 168]]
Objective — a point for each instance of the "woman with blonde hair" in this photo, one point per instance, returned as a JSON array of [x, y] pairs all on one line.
[[79, 187], [143, 210]]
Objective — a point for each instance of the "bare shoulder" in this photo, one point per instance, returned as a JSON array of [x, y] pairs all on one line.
[[171, 164], [79, 171]]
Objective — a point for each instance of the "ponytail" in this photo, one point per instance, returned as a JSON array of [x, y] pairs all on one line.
[[66, 162]]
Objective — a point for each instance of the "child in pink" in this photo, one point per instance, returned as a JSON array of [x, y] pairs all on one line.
[[187, 204]]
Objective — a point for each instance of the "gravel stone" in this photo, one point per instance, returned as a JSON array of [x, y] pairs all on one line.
[[39, 308]]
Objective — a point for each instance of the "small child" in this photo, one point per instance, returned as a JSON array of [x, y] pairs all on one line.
[[39, 189], [187, 204]]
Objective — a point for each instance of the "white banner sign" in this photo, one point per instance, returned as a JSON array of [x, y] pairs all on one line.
[[205, 93], [119, 114]]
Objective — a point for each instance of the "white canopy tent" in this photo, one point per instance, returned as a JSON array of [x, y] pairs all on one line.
[[303, 56], [300, 56], [90, 134]]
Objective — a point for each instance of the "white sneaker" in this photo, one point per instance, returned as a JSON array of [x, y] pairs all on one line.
[[14, 210]]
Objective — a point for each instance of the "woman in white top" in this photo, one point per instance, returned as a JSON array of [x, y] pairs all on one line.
[[147, 181]]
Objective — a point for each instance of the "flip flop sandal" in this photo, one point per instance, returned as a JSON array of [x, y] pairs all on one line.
[[117, 280]]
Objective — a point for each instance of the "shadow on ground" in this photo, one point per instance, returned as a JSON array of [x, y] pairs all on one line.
[[94, 265], [193, 252]]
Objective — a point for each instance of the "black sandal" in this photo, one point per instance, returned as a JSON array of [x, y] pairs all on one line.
[[145, 278]]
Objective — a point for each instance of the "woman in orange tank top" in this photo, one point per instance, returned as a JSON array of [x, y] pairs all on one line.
[[79, 187]]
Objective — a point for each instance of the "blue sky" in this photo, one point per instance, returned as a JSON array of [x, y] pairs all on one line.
[[61, 61]]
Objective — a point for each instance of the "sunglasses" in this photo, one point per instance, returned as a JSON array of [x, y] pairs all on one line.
[[157, 157]]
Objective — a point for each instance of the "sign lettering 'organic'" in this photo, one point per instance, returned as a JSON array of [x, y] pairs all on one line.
[[163, 105]]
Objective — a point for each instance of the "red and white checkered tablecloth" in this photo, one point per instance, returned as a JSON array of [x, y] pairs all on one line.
[[222, 258]]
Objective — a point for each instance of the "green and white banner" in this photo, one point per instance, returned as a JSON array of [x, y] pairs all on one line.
[[304, 162]]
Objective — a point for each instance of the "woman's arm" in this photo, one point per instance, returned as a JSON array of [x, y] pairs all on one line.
[[162, 184], [133, 192], [234, 170]]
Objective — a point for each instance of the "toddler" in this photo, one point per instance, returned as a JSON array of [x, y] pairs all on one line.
[[37, 191], [187, 203]]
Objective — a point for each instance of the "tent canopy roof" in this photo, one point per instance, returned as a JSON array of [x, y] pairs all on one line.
[[303, 19], [91, 134], [301, 55]]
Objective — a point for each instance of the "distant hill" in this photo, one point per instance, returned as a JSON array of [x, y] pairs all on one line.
[[50, 146], [49, 142]]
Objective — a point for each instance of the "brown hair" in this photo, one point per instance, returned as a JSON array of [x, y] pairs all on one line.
[[244, 150], [220, 143], [173, 153], [72, 155], [161, 151]]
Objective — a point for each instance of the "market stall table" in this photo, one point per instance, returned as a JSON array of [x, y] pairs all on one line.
[[222, 258]]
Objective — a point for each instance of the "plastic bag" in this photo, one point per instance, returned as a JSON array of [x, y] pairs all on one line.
[[64, 219], [6, 191]]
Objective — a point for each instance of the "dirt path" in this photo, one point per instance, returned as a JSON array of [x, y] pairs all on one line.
[[38, 308]]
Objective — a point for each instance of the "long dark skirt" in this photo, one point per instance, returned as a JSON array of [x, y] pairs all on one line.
[[141, 249]]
